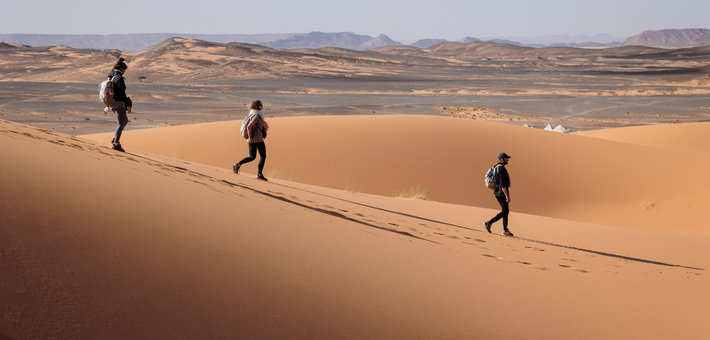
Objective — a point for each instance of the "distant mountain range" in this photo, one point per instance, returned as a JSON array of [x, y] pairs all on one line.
[[671, 38], [346, 40], [600, 40]]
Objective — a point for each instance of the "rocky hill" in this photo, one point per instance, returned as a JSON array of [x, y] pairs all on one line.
[[670, 38], [186, 60], [468, 40], [424, 43], [703, 40], [129, 42], [489, 50], [11, 45]]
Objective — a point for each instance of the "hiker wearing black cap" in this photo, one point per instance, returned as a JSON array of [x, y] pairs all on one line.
[[502, 194]]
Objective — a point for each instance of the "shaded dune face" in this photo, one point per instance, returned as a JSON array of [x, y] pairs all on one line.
[[568, 176]]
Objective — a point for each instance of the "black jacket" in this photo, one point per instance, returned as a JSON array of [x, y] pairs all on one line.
[[502, 179], [119, 89]]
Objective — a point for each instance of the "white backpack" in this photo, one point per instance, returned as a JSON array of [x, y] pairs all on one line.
[[491, 175], [106, 92], [245, 123]]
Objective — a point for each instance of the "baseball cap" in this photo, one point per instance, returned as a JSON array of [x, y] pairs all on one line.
[[503, 155]]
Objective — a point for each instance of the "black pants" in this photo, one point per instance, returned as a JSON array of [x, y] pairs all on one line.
[[122, 122], [503, 214], [253, 147]]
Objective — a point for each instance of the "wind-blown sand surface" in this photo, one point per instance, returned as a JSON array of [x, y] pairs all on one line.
[[101, 244], [565, 176]]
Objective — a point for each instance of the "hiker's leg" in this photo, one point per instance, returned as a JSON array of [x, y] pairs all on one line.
[[122, 119], [503, 213], [506, 211], [262, 155], [252, 154]]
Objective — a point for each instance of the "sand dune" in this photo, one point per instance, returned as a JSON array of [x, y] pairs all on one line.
[[99, 244], [688, 136], [565, 176]]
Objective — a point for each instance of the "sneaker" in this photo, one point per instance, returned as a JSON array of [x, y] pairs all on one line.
[[235, 168], [488, 226], [117, 147], [261, 178], [507, 233]]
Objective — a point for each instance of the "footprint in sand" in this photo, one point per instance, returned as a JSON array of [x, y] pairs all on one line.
[[535, 248], [532, 265], [493, 256], [573, 268]]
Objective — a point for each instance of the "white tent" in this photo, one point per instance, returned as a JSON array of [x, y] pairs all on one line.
[[526, 125], [562, 129], [549, 128]]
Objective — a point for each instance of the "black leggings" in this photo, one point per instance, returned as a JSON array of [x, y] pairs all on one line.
[[253, 147], [503, 214], [122, 122]]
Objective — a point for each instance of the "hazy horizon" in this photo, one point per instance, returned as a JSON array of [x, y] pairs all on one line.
[[449, 19]]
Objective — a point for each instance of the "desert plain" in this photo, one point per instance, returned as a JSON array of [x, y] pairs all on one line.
[[371, 226]]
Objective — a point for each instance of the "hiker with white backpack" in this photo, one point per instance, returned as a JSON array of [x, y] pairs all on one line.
[[497, 179], [113, 94], [254, 129]]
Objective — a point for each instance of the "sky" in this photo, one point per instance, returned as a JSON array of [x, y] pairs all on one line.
[[404, 20]]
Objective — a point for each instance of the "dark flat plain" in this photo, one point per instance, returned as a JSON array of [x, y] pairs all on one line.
[[577, 93]]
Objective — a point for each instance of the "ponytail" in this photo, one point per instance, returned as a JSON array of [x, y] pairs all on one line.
[[120, 65]]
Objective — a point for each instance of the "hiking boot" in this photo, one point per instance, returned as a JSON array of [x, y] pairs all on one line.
[[507, 233], [235, 168], [488, 226], [261, 178], [117, 147]]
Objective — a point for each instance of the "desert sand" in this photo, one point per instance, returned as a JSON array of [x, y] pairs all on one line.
[[164, 241], [690, 136], [565, 176], [100, 244]]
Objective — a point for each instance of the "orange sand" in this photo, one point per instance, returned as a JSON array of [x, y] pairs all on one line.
[[568, 176], [98, 244]]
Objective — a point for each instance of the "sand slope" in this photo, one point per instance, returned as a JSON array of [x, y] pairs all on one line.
[[688, 136], [99, 244], [566, 176]]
